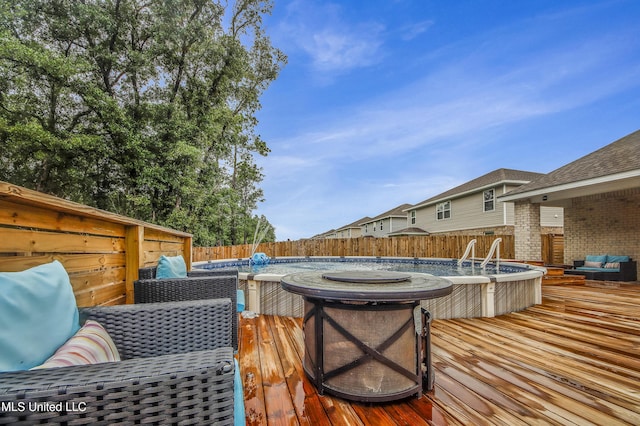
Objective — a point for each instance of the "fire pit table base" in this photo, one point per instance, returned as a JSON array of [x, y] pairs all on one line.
[[364, 352], [366, 337]]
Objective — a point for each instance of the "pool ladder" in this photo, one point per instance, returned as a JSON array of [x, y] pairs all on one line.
[[495, 247], [471, 249]]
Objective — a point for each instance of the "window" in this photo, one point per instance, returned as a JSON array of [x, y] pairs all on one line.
[[381, 224], [413, 217], [443, 210], [489, 200]]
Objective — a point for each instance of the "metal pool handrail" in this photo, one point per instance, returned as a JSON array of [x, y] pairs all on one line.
[[495, 247], [471, 247]]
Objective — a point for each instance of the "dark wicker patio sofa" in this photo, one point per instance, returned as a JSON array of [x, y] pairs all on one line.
[[605, 268], [177, 368], [199, 284]]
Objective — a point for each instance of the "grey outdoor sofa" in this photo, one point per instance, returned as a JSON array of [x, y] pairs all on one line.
[[608, 268], [177, 368], [199, 284]]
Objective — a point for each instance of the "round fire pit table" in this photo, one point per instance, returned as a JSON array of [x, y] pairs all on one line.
[[366, 338]]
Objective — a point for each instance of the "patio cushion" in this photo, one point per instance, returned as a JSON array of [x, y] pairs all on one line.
[[601, 259], [171, 267], [590, 264], [38, 313], [612, 265], [587, 269], [611, 258], [90, 345], [238, 397], [240, 303]]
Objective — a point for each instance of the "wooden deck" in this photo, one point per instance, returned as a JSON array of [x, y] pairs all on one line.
[[574, 360]]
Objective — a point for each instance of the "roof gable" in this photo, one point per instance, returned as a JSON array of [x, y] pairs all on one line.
[[355, 224], [394, 212], [499, 176], [620, 156]]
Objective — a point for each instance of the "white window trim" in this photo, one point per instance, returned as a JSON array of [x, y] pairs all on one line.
[[484, 201], [443, 210]]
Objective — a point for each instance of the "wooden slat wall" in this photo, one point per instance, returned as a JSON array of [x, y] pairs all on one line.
[[444, 246], [101, 251], [553, 249]]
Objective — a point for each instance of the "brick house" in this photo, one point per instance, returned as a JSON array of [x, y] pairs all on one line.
[[600, 195]]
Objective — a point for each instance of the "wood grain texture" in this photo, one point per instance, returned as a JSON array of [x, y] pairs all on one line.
[[573, 360], [101, 251]]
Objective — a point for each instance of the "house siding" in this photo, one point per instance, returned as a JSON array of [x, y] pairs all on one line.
[[467, 214], [603, 224], [551, 217], [389, 225], [468, 217], [348, 233]]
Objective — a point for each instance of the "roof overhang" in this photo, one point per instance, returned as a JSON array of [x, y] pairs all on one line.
[[407, 234], [560, 195], [465, 193], [389, 216]]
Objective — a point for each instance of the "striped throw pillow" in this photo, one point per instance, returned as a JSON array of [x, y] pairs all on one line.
[[90, 345]]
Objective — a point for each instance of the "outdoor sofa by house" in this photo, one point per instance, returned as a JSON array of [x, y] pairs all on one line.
[[605, 268]]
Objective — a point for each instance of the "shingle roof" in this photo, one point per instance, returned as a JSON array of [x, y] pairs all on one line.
[[409, 231], [355, 224], [491, 178], [620, 156], [396, 211]]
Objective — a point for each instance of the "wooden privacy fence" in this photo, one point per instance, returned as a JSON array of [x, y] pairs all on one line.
[[101, 251], [444, 246], [553, 249]]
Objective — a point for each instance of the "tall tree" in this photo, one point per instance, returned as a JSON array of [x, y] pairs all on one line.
[[144, 108]]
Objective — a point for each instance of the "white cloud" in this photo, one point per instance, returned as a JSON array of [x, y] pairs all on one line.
[[339, 49], [333, 44], [411, 31], [427, 135], [469, 94]]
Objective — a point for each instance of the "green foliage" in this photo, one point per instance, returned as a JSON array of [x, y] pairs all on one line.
[[146, 109]]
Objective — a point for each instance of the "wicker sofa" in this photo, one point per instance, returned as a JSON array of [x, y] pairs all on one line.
[[199, 284], [177, 368], [605, 268]]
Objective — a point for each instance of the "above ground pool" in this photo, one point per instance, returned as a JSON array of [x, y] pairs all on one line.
[[437, 267], [477, 292]]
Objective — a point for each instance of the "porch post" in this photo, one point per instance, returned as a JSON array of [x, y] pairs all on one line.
[[528, 241]]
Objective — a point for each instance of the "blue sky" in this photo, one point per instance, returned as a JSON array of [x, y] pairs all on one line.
[[387, 102]]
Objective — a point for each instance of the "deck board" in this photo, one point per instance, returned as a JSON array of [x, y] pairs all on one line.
[[574, 359]]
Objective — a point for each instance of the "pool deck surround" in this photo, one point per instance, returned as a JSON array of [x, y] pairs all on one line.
[[572, 360]]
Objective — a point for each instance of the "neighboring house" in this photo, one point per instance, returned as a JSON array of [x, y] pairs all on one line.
[[408, 232], [352, 230], [600, 195], [324, 235], [385, 223], [474, 207]]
